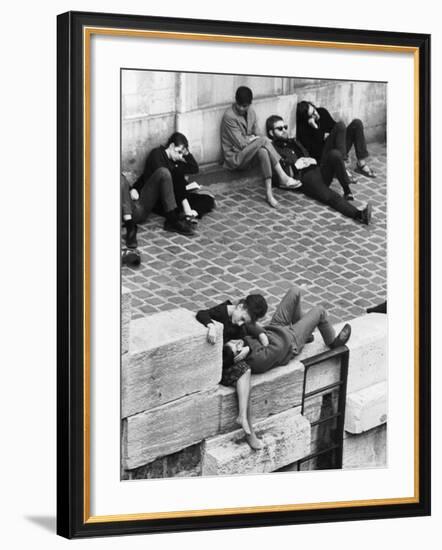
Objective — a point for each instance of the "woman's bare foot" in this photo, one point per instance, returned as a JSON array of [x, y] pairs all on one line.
[[272, 201], [254, 441], [243, 422]]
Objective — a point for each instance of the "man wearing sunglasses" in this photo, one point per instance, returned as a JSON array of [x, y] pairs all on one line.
[[242, 148], [315, 180]]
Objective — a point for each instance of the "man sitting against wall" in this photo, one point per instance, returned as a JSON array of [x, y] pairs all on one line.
[[155, 185], [242, 148], [315, 179]]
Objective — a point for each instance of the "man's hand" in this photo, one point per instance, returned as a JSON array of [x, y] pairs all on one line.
[[134, 194], [263, 338], [313, 123], [304, 162], [242, 354], [211, 334]]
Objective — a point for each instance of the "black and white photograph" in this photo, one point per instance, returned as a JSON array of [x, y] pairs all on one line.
[[253, 274]]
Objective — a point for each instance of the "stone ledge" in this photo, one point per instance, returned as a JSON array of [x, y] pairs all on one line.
[[366, 408], [171, 427], [286, 438], [185, 421]]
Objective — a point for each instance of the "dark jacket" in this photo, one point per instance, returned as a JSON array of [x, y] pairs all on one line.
[[158, 158], [313, 139], [290, 151]]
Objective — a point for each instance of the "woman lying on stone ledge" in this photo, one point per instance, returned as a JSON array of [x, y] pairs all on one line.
[[239, 321], [287, 333]]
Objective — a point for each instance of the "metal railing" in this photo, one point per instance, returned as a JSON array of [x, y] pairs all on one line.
[[335, 449]]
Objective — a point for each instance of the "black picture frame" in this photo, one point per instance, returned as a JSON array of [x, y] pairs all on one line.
[[73, 520]]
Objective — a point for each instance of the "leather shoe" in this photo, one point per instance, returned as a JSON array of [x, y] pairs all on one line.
[[342, 338]]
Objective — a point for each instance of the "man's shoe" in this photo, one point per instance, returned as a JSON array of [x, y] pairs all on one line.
[[342, 338], [179, 226], [131, 234], [130, 257], [365, 216]]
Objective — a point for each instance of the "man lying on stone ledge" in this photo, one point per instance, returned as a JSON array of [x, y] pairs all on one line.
[[287, 333]]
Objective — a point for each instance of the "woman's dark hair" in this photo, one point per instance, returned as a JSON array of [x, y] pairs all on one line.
[[244, 96], [302, 115], [228, 356], [178, 139], [270, 123], [256, 306]]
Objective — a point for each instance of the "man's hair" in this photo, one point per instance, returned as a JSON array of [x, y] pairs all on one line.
[[228, 356], [256, 306], [178, 139], [244, 96], [270, 122]]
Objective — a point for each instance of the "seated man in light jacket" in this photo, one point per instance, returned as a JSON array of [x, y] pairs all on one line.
[[242, 147], [288, 331]]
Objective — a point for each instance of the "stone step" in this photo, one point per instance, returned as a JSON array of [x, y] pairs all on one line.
[[286, 438], [366, 450], [169, 357], [366, 408]]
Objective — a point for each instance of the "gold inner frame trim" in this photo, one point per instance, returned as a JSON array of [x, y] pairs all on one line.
[[87, 33]]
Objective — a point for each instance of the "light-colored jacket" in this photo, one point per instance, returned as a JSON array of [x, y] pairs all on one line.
[[234, 132]]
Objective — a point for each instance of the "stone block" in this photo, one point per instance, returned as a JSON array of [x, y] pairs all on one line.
[[185, 463], [366, 450], [169, 428], [368, 355], [286, 438], [366, 408], [169, 357], [272, 392], [126, 314]]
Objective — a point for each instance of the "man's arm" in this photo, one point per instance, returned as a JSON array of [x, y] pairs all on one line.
[[207, 316], [233, 132], [326, 121], [188, 165]]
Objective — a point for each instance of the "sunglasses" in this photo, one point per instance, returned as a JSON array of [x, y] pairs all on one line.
[[281, 128]]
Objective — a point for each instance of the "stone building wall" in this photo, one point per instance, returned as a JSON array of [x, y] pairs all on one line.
[[157, 103]]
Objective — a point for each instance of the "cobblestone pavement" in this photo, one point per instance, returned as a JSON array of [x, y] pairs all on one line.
[[245, 246]]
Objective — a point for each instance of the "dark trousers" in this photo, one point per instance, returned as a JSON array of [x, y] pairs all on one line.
[[344, 138], [333, 165], [314, 186], [159, 187], [289, 314]]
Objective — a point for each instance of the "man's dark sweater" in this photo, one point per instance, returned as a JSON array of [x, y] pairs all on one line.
[[278, 352]]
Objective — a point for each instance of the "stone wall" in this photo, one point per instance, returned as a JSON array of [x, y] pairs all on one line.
[[156, 103], [178, 421]]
